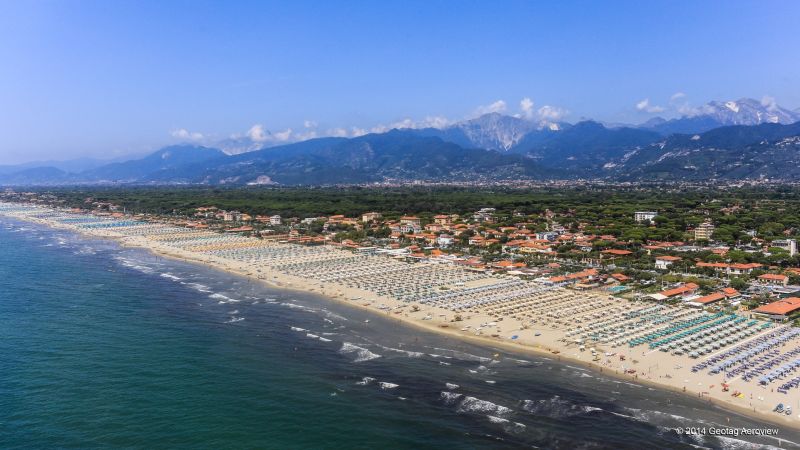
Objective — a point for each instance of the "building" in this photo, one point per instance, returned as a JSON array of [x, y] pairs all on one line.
[[338, 218], [663, 262], [684, 290], [240, 230], [790, 245], [410, 224], [742, 268], [412, 221], [231, 216], [716, 297], [582, 276], [445, 240], [310, 220], [779, 310], [621, 278], [704, 231], [371, 217], [275, 220], [442, 219], [615, 253], [484, 215], [642, 216], [773, 279], [707, 300], [546, 236]]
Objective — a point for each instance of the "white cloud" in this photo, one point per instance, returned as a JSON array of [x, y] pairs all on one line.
[[645, 106], [408, 123], [377, 129], [526, 106], [304, 136], [690, 111], [310, 124], [496, 107], [434, 122], [182, 133], [257, 133], [283, 136], [677, 96], [400, 124], [356, 132], [679, 103], [552, 113], [337, 132], [769, 103]]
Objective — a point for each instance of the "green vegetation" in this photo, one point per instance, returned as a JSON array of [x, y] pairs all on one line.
[[739, 214], [768, 210]]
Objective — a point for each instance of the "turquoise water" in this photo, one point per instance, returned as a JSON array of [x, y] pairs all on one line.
[[108, 347]]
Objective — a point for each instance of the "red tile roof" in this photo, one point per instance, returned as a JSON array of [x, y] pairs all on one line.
[[617, 252], [710, 298], [730, 292], [773, 276], [718, 265], [781, 307], [575, 276], [683, 289], [746, 266]]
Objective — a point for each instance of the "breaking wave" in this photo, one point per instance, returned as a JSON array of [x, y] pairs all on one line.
[[362, 354], [476, 405], [556, 407]]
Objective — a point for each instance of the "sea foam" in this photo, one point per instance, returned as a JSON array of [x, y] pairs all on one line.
[[362, 354], [473, 404]]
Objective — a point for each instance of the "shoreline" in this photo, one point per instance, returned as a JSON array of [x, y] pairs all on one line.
[[343, 295]]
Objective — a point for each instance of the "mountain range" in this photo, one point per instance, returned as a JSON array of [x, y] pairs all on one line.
[[745, 111], [743, 139]]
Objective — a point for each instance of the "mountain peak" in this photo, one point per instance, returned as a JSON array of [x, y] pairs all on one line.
[[495, 131], [747, 111], [716, 113]]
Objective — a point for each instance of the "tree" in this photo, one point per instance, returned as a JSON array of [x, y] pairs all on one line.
[[738, 284]]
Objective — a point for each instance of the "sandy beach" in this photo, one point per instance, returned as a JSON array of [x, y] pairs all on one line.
[[498, 311]]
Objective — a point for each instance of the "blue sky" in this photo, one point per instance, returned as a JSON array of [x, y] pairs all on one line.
[[106, 78]]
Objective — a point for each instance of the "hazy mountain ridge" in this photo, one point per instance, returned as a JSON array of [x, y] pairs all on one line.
[[585, 146], [492, 147], [72, 165], [715, 114], [161, 160], [395, 155], [735, 152]]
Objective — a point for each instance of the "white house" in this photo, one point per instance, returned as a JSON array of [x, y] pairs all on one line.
[[790, 245], [484, 215], [663, 262], [641, 216], [444, 240]]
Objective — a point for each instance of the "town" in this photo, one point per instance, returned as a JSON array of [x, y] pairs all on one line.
[[681, 296], [700, 257]]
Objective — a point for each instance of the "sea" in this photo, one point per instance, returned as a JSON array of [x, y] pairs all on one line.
[[103, 346]]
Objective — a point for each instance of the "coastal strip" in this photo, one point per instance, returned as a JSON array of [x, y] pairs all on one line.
[[739, 363]]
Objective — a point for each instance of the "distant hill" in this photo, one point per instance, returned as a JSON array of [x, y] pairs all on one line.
[[727, 153], [715, 114], [395, 155], [585, 147], [761, 143], [165, 159], [71, 165], [492, 131], [35, 175]]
